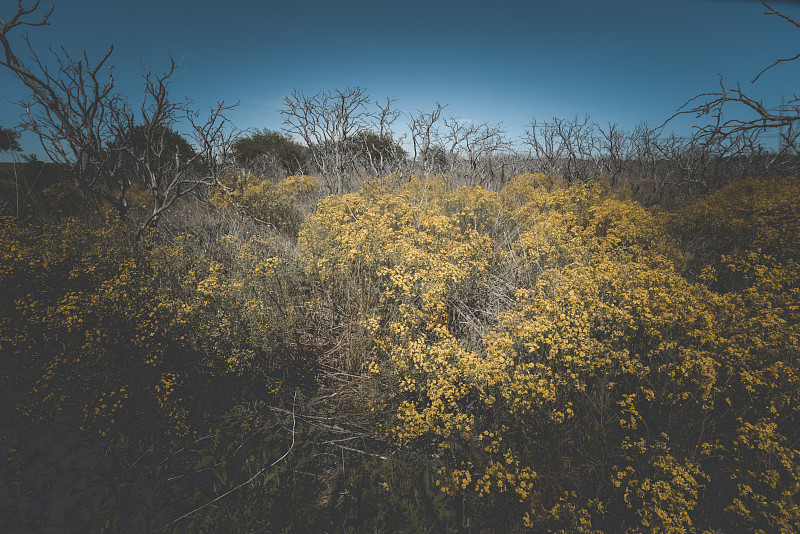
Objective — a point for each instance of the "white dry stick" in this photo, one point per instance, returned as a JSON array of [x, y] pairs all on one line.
[[184, 516]]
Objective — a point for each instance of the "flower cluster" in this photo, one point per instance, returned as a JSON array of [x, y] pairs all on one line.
[[548, 336]]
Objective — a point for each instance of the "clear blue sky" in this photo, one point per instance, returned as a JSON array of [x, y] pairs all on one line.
[[623, 61]]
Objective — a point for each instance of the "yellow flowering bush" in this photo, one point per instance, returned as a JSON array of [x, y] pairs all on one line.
[[548, 358], [236, 300], [82, 305], [743, 238], [601, 376], [282, 206]]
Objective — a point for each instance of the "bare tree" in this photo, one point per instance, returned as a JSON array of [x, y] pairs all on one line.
[[74, 111], [564, 148], [382, 152], [428, 155], [577, 139], [83, 124], [545, 150], [643, 163], [483, 151], [615, 152], [507, 163], [470, 149], [327, 122], [162, 161], [738, 136]]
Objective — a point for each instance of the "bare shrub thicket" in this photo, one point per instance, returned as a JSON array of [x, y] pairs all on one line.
[[657, 167], [349, 143]]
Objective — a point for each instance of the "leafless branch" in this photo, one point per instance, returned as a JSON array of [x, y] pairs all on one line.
[[327, 122]]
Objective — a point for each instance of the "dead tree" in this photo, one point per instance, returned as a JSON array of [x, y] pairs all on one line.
[[614, 152], [644, 159], [563, 148], [84, 125], [483, 151], [470, 149], [428, 154], [73, 110], [161, 164], [576, 137], [730, 133], [545, 149], [383, 154], [327, 122]]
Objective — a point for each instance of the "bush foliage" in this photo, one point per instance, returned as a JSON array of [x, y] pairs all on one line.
[[418, 357]]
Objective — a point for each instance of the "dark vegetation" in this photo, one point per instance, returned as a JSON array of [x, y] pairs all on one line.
[[323, 331]]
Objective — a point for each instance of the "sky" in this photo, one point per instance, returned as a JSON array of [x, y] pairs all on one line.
[[498, 61]]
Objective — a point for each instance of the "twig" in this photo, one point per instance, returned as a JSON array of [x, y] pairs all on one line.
[[149, 449], [293, 427], [362, 452], [179, 450], [248, 481], [333, 441]]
